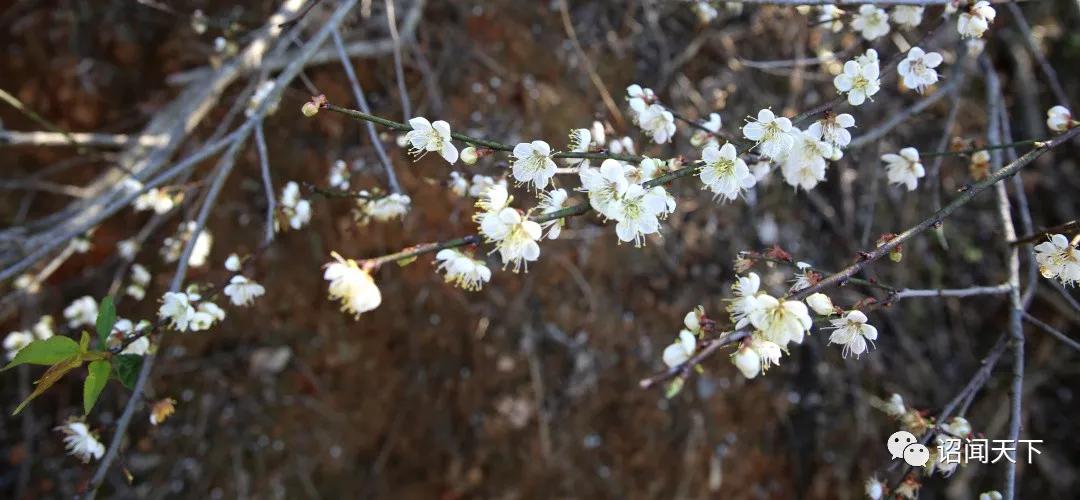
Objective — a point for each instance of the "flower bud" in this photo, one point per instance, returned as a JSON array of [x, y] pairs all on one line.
[[309, 109], [958, 426], [821, 304], [747, 361], [699, 138], [469, 155], [161, 410]]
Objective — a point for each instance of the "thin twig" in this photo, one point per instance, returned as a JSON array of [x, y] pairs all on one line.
[[938, 217], [1033, 47], [568, 26], [399, 71], [48, 139], [1058, 334], [908, 293], [1016, 311], [361, 102], [1067, 228], [268, 185], [236, 139]]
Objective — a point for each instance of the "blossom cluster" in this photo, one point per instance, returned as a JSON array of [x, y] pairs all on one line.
[[15, 341], [385, 208], [188, 312], [1059, 259], [653, 118], [296, 210], [617, 191], [872, 22]]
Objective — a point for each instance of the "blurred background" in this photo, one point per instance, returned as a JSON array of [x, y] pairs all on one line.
[[529, 388]]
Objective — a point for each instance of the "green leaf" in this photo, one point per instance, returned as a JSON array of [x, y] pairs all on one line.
[[45, 352], [127, 368], [51, 376], [674, 387], [106, 318], [84, 342], [98, 375], [406, 261]]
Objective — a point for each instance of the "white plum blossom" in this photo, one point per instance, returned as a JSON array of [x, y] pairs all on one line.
[[706, 134], [976, 20], [821, 304], [653, 118], [904, 168], [533, 164], [140, 279], [745, 302], [833, 129], [832, 17], [15, 341], [714, 123], [339, 175], [158, 200], [724, 173], [233, 263], [515, 237], [553, 201], [1059, 119], [761, 170], [957, 426], [580, 141], [296, 209], [895, 407], [382, 208], [1059, 259], [177, 310], [852, 332], [781, 322], [243, 291], [605, 186], [771, 133], [257, 98], [768, 351], [756, 356], [747, 360], [704, 10], [871, 21], [637, 212], [82, 312], [462, 270], [426, 136], [649, 169], [990, 495], [681, 350], [138, 347], [458, 184], [639, 97], [908, 16], [470, 155], [201, 251], [917, 69], [124, 329], [481, 183], [803, 171], [860, 80], [804, 277], [352, 286], [624, 145], [874, 489], [128, 248], [80, 442], [656, 121]]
